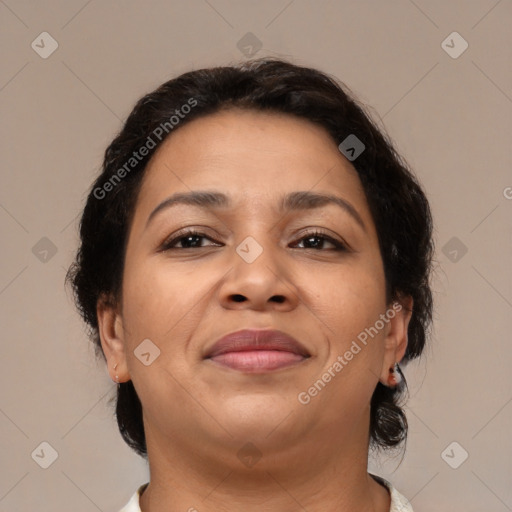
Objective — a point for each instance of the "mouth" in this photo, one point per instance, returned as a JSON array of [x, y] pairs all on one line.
[[257, 351]]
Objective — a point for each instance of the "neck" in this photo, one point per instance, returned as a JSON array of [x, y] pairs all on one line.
[[331, 477]]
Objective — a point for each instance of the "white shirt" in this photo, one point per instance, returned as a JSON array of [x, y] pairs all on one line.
[[398, 502]]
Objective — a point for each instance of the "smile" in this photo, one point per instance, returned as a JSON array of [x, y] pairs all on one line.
[[256, 361], [257, 351]]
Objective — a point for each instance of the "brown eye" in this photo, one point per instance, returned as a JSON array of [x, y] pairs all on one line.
[[189, 240], [317, 239]]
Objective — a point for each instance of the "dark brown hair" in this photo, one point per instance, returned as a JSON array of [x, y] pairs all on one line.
[[398, 205]]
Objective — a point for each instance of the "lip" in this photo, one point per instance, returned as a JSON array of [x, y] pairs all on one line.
[[254, 350]]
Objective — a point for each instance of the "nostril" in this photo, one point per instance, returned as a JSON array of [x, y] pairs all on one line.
[[276, 298]]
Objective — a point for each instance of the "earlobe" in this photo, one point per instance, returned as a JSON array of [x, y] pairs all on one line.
[[396, 341], [111, 333], [395, 376]]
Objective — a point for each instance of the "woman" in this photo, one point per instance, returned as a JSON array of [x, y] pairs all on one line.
[[254, 266]]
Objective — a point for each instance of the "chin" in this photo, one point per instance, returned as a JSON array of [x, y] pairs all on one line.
[[254, 415]]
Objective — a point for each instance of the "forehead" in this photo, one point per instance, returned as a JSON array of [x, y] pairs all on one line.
[[249, 154]]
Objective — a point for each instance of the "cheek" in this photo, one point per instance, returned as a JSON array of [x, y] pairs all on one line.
[[349, 302], [161, 301], [348, 314], [348, 298], [163, 306]]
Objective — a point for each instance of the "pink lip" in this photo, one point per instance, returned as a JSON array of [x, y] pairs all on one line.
[[252, 350]]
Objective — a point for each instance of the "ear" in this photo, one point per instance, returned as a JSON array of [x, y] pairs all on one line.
[[396, 339], [111, 332]]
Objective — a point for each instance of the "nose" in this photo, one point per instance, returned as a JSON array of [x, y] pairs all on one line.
[[262, 283]]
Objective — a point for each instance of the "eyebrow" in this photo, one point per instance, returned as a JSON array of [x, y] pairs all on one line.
[[294, 201]]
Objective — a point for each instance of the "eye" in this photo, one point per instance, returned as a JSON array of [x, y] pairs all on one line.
[[317, 239], [188, 239]]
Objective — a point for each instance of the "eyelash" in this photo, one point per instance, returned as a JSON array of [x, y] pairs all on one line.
[[168, 244]]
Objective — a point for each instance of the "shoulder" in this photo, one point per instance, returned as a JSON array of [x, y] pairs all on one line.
[[398, 502], [133, 505]]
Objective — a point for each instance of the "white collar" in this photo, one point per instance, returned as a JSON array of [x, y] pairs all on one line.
[[398, 502]]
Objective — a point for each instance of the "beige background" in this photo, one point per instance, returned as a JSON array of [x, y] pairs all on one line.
[[450, 118]]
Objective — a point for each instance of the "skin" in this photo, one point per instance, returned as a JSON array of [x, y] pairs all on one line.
[[197, 415]]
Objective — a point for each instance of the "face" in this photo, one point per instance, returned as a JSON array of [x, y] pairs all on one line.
[[196, 272]]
